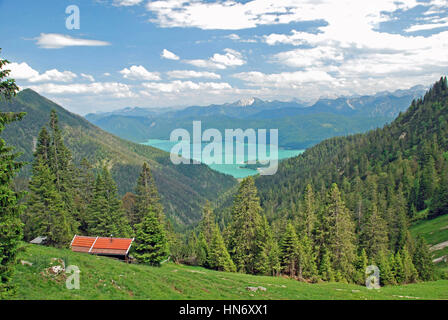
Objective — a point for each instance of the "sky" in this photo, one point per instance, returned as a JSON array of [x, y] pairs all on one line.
[[128, 53]]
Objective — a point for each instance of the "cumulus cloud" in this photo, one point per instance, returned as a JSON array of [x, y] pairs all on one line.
[[22, 71], [186, 74], [126, 3], [178, 86], [284, 79], [169, 55], [115, 89], [231, 58], [88, 77], [139, 73], [58, 41]]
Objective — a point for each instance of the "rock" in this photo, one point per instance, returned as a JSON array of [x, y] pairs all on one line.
[[253, 289], [25, 263], [262, 288]]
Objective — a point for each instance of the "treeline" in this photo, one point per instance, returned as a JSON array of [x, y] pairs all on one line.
[[65, 199], [322, 245]]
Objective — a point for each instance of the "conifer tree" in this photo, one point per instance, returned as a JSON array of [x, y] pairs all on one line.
[[289, 247], [47, 213], [374, 236], [84, 194], [106, 215], [361, 266], [422, 260], [147, 196], [409, 271], [245, 224], [202, 251], [309, 212], [219, 257], [151, 246], [207, 223], [307, 259], [10, 208], [325, 269], [340, 235]]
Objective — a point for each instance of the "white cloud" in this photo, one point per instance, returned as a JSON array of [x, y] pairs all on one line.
[[88, 77], [231, 58], [139, 73], [314, 57], [22, 71], [115, 89], [285, 79], [441, 23], [185, 74], [126, 3], [58, 41], [178, 86], [169, 55], [106, 74]]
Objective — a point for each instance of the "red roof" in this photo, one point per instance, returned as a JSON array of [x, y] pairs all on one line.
[[102, 243]]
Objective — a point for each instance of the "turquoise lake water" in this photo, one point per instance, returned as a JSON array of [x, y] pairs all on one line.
[[237, 170]]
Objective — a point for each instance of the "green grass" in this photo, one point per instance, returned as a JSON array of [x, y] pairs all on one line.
[[106, 278], [434, 231]]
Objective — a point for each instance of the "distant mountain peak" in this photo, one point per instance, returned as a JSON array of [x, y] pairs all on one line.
[[245, 102]]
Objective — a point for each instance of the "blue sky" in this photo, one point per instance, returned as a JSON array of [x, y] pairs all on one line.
[[178, 52]]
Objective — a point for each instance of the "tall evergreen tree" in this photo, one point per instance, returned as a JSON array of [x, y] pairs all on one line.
[[10, 208], [219, 257], [147, 196], [340, 236], [245, 224], [422, 260], [374, 235], [289, 247], [106, 214], [151, 246]]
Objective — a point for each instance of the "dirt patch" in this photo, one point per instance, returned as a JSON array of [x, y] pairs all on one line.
[[439, 246]]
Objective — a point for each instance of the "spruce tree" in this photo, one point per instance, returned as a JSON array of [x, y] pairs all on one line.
[[422, 260], [202, 251], [219, 257], [151, 246], [309, 212], [409, 271], [325, 268], [106, 214], [307, 259], [147, 196], [47, 212], [207, 223], [244, 226], [374, 235], [289, 247], [340, 236], [10, 208]]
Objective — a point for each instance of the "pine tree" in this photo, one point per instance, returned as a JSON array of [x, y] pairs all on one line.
[[106, 215], [10, 208], [151, 246], [219, 257], [309, 212], [289, 247], [340, 235], [202, 251], [207, 223], [374, 236], [422, 260], [84, 194], [361, 266], [47, 213], [325, 269], [307, 259], [147, 196], [267, 258], [409, 271], [245, 224]]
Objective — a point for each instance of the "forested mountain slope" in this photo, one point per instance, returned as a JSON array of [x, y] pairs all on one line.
[[399, 169], [183, 188]]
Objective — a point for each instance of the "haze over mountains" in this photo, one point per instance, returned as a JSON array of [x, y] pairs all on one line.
[[300, 125]]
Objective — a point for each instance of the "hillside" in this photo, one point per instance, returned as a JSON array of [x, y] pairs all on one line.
[[106, 278], [183, 188], [299, 126], [407, 155]]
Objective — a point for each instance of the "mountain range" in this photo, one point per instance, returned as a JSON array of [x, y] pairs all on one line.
[[300, 125]]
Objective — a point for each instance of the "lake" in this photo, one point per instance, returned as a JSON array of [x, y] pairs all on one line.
[[237, 170]]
